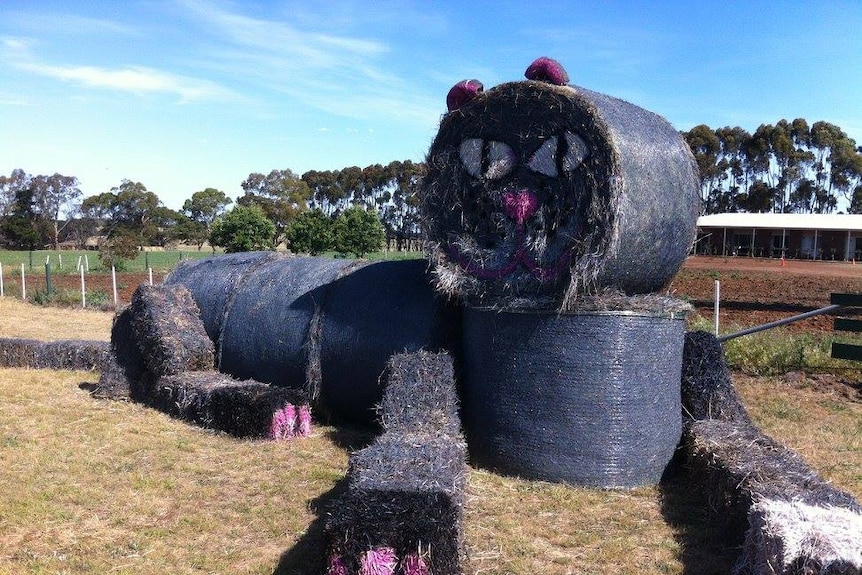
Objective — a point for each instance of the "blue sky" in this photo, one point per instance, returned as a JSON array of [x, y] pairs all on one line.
[[187, 94]]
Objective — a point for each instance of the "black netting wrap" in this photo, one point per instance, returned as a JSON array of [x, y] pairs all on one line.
[[326, 326], [591, 399]]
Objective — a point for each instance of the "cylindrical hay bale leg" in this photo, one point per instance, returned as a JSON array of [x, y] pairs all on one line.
[[590, 399]]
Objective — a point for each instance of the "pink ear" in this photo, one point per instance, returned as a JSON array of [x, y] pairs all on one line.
[[463, 92], [547, 70]]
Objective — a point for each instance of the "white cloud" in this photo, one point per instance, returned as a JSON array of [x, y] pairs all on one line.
[[337, 73], [132, 79], [136, 79]]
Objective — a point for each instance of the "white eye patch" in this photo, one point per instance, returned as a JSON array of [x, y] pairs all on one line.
[[544, 160], [577, 152], [501, 158], [470, 153]]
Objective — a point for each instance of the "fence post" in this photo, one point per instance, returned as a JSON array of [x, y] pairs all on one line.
[[2, 293], [23, 284], [83, 289], [49, 287], [114, 281], [715, 305]]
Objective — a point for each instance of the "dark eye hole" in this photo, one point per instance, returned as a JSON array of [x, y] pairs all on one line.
[[501, 159]]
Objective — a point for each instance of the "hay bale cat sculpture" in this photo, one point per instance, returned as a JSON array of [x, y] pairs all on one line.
[[556, 217]]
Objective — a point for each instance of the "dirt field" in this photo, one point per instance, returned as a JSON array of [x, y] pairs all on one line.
[[756, 291]]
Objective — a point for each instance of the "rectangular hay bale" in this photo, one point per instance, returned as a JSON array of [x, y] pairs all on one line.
[[73, 354], [420, 394], [404, 500], [169, 331], [740, 470], [795, 538], [240, 408], [124, 368], [18, 352]]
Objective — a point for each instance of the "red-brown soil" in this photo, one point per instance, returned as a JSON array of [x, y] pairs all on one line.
[[757, 291]]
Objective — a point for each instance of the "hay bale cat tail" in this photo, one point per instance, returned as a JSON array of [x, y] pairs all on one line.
[[556, 214]]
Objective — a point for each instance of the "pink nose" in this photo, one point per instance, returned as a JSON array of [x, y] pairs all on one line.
[[520, 205]]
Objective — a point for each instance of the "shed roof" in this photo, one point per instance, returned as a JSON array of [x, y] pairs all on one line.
[[825, 222]]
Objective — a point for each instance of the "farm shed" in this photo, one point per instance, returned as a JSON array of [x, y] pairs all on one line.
[[806, 236]]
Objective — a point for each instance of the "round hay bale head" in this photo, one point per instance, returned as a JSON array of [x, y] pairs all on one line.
[[212, 282], [373, 313], [590, 399], [537, 192], [265, 326]]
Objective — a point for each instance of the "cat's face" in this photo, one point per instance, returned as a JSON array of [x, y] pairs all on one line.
[[518, 177]]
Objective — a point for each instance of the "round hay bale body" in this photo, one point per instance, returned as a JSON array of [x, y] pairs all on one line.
[[590, 399], [536, 193], [327, 326], [265, 329], [213, 281]]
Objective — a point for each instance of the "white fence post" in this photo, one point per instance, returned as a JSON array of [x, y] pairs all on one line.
[[114, 281], [23, 284], [83, 289], [715, 305], [2, 293]]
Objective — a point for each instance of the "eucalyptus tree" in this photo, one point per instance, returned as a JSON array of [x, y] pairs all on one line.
[[281, 195]]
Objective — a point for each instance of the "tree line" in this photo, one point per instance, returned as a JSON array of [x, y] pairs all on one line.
[[353, 210], [786, 167]]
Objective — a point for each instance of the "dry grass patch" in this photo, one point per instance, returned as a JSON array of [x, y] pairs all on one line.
[[96, 487], [91, 486], [19, 319], [823, 424]]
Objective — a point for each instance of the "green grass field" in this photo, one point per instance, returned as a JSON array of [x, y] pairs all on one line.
[[66, 261]]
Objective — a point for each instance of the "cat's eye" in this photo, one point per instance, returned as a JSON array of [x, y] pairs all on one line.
[[493, 160], [576, 152], [501, 159], [470, 153], [544, 160]]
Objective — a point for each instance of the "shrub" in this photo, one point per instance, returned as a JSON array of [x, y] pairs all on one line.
[[358, 231], [117, 251], [243, 229], [311, 232]]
